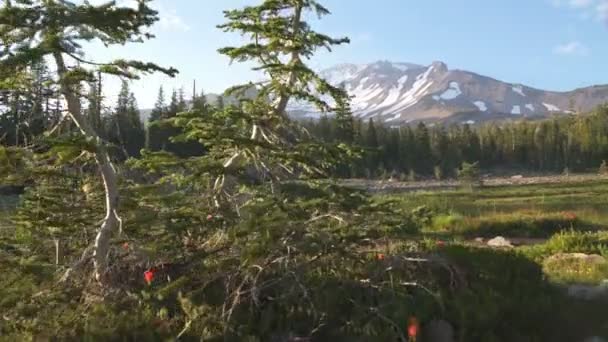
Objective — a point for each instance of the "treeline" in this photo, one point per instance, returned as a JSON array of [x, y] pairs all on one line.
[[33, 106], [568, 143], [560, 144]]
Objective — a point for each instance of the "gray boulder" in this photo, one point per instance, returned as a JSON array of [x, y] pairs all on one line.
[[500, 242]]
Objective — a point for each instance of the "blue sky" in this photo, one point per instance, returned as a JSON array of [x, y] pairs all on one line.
[[549, 44]]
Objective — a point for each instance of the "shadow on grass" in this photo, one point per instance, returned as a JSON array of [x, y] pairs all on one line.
[[523, 227], [507, 298], [504, 296]]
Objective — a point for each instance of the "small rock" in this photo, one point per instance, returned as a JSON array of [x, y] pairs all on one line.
[[517, 177], [479, 240], [438, 331], [500, 242]]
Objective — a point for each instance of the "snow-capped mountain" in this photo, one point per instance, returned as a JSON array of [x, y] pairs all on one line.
[[397, 93]]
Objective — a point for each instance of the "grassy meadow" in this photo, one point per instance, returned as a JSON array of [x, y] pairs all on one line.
[[528, 282]]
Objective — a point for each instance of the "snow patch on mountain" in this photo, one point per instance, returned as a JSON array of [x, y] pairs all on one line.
[[516, 110], [396, 117], [407, 66], [481, 105], [530, 107], [361, 96], [392, 97], [519, 90], [452, 92], [341, 73], [412, 96], [551, 107]]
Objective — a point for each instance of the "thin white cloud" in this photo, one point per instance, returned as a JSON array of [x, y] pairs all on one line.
[[574, 48], [574, 3], [590, 9], [581, 3], [362, 37], [602, 11], [169, 19]]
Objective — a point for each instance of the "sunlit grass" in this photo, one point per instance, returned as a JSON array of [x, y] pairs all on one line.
[[558, 218]]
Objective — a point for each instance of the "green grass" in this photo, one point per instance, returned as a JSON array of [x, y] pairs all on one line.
[[549, 208], [520, 292]]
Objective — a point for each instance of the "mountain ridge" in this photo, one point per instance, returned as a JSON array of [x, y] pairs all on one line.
[[399, 93]]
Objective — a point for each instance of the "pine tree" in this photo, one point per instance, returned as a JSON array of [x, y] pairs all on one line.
[[262, 171], [345, 131], [125, 129], [57, 29], [423, 150], [182, 105], [173, 107], [199, 103], [372, 148], [160, 106], [94, 107], [220, 102]]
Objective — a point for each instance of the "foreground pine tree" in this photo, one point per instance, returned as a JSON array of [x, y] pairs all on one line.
[[39, 29], [270, 242]]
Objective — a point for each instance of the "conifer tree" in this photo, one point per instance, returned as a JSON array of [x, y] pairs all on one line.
[[423, 149], [173, 107], [261, 173], [220, 102], [125, 129], [160, 106], [371, 145], [199, 103], [182, 105], [345, 131], [35, 29], [94, 107]]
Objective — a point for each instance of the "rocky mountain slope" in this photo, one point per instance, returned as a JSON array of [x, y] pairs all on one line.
[[398, 93], [401, 93]]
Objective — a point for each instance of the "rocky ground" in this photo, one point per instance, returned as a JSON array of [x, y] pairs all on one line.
[[395, 186]]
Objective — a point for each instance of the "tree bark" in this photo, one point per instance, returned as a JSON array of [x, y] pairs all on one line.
[[108, 174], [295, 58]]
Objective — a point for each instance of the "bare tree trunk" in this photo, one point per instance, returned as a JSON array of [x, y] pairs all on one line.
[[108, 174], [56, 242], [295, 58]]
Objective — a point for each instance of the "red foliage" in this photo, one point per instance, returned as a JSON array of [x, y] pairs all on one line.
[[413, 327], [570, 216], [149, 276]]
